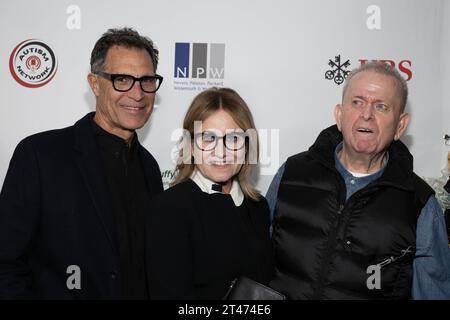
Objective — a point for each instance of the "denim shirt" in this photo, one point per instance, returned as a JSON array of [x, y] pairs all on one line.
[[431, 266]]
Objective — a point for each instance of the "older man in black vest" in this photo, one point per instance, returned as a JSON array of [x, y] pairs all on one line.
[[351, 218]]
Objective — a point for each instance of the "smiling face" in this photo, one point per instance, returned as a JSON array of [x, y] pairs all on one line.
[[219, 164], [121, 113], [370, 117]]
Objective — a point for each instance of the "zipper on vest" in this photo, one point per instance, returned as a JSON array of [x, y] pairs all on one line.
[[331, 245], [331, 241], [392, 259]]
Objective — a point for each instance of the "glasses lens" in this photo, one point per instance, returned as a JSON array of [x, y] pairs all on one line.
[[149, 84], [206, 141], [234, 141], [123, 83]]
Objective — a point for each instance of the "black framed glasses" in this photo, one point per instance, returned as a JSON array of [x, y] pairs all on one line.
[[207, 140], [124, 82]]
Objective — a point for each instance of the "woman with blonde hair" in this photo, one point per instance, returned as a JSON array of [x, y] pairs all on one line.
[[212, 225]]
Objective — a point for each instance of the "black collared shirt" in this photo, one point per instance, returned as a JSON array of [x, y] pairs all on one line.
[[130, 198]]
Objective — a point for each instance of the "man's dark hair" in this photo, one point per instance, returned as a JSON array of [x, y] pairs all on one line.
[[126, 37]]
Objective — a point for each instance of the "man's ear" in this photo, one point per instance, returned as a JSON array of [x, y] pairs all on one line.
[[94, 83], [402, 125], [338, 115]]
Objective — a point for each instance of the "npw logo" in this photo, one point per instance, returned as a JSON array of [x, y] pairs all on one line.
[[199, 66], [199, 62], [33, 63]]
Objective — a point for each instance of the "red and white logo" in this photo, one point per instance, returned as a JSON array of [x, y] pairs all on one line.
[[33, 63], [404, 66]]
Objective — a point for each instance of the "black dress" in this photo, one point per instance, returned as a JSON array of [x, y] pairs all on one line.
[[197, 243]]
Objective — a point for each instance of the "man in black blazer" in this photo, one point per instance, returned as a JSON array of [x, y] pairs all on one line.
[[74, 200]]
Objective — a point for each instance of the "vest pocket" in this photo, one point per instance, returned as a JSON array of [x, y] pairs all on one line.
[[396, 274]]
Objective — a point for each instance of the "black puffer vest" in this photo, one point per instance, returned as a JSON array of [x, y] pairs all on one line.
[[323, 244]]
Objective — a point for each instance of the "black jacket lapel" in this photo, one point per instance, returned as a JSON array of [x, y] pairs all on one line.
[[88, 161], [152, 172]]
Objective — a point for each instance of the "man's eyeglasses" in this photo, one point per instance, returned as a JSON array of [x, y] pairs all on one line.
[[207, 141], [124, 82]]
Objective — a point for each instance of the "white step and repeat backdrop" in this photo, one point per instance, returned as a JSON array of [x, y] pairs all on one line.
[[286, 58]]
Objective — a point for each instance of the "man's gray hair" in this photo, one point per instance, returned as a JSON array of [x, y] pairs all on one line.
[[384, 69], [126, 37]]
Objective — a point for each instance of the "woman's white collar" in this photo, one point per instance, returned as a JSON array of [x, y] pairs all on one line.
[[205, 185]]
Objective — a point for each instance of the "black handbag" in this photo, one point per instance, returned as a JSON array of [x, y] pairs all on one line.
[[244, 288]]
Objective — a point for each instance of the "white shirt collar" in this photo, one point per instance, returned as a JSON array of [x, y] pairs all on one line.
[[359, 175], [206, 186]]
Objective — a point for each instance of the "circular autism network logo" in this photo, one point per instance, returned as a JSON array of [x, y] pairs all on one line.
[[33, 63]]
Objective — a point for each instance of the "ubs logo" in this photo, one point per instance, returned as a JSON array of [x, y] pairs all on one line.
[[337, 71]]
